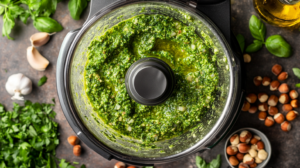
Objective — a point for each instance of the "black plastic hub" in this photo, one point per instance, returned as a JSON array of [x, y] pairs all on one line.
[[149, 81]]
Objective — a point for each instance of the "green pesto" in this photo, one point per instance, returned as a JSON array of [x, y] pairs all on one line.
[[190, 57]]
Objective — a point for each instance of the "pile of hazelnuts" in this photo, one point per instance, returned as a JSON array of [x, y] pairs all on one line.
[[268, 104], [246, 151], [74, 141]]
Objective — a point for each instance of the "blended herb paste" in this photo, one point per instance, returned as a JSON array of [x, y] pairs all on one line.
[[163, 37]]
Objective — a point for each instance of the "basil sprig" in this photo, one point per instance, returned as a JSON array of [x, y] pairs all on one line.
[[215, 163]]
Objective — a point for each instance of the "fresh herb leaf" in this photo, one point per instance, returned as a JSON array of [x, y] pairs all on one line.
[[200, 163], [298, 85], [53, 100], [2, 9], [64, 164], [15, 10], [42, 81], [255, 46], [24, 16], [75, 162], [241, 40], [83, 166], [297, 72], [257, 28], [215, 163], [8, 24], [47, 24], [76, 7], [277, 46]]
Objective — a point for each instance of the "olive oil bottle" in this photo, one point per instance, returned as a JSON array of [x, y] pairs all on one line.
[[282, 13]]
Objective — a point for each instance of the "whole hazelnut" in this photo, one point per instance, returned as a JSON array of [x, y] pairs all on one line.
[[233, 161], [262, 154], [240, 156], [253, 147], [252, 109], [277, 69], [245, 136], [243, 165], [279, 118], [262, 115], [77, 150], [246, 106], [286, 126], [73, 140], [257, 160], [255, 139], [243, 147], [273, 100], [260, 145], [274, 85], [269, 121], [287, 107], [263, 107], [251, 98], [294, 94], [290, 116], [257, 80], [295, 103], [272, 110], [284, 98], [266, 81], [234, 140], [120, 165], [247, 58], [248, 159], [252, 153], [253, 165], [283, 76], [262, 97], [284, 88], [231, 150]]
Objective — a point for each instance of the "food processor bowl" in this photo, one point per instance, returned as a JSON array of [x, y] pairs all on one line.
[[108, 142]]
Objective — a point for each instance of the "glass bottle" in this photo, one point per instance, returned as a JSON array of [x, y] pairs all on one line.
[[282, 13]]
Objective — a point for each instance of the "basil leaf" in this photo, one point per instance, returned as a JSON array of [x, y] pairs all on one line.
[[76, 7], [83, 166], [298, 85], [215, 163], [47, 24], [200, 163], [277, 46], [241, 39], [257, 28], [255, 46], [297, 72], [15, 10], [2, 9], [4, 2], [24, 16], [8, 24], [42, 81]]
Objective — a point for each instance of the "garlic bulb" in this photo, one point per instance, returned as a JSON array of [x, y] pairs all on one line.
[[39, 39], [18, 85], [36, 60]]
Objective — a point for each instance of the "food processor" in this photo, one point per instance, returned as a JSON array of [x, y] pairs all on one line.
[[209, 16]]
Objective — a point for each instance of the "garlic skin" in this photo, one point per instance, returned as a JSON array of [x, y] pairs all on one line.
[[36, 60], [39, 39], [18, 85]]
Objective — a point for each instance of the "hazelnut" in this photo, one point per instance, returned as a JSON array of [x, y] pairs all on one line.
[[279, 118], [247, 58], [269, 121], [266, 81], [294, 104], [284, 98], [251, 98], [243, 147], [243, 165], [231, 150], [262, 154], [235, 139], [257, 160], [77, 150], [263, 107], [283, 76], [253, 165], [276, 69], [287, 107], [262, 97], [73, 140], [294, 94], [253, 147], [245, 136], [253, 152], [284, 88], [262, 116], [233, 161], [257, 80], [272, 110], [248, 159], [120, 165], [273, 100], [255, 139], [291, 115], [246, 106], [286, 126], [240, 156], [274, 85], [252, 109], [260, 145]]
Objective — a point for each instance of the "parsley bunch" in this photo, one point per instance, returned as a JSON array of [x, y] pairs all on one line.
[[28, 136]]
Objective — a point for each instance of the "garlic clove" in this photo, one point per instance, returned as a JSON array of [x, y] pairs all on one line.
[[18, 85], [36, 60], [39, 39]]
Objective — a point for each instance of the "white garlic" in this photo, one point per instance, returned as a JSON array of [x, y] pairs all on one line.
[[18, 85], [36, 60], [39, 39]]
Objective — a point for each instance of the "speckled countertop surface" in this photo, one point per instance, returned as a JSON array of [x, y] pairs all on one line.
[[285, 145]]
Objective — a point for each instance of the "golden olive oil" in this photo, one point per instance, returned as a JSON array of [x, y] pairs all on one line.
[[282, 13]]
